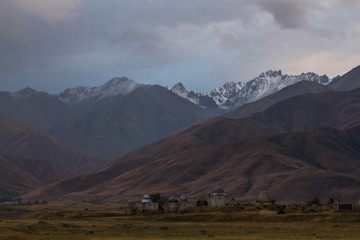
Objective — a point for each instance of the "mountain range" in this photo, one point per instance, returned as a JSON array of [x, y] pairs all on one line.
[[232, 95], [275, 126], [122, 115], [308, 143], [42, 110]]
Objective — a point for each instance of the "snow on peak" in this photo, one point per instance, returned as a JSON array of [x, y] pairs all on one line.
[[271, 73], [114, 87], [180, 90], [232, 94], [236, 94]]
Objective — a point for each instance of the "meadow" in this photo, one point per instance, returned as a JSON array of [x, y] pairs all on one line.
[[105, 222]]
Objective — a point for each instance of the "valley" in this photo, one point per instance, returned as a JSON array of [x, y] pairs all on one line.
[[110, 222]]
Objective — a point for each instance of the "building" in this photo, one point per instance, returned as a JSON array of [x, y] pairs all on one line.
[[344, 207], [147, 205], [183, 204], [218, 198], [173, 204]]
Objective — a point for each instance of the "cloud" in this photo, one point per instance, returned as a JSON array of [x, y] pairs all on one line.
[[52, 11], [289, 14], [230, 41], [163, 40]]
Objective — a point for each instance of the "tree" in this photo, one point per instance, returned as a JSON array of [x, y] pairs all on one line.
[[201, 203], [155, 197], [315, 201], [334, 197], [133, 208]]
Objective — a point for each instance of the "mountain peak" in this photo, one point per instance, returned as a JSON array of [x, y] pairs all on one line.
[[114, 87], [272, 73], [24, 92], [116, 81], [29, 92], [179, 88]]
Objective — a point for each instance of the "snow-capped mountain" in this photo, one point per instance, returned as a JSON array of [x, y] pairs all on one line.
[[114, 87], [233, 94], [180, 90], [227, 96]]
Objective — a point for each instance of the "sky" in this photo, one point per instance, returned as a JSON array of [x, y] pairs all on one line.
[[51, 45]]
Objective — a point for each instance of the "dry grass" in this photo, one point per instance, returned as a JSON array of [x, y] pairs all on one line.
[[109, 223]]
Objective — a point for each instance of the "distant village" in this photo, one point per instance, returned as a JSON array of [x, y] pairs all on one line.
[[219, 199]]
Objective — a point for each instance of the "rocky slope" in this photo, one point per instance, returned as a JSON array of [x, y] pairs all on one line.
[[231, 94], [114, 87], [262, 104]]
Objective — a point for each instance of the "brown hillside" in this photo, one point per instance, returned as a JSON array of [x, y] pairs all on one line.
[[350, 80], [291, 167], [20, 175], [19, 140], [44, 170], [15, 181]]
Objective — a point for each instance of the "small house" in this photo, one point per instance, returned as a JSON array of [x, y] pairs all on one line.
[[218, 198]]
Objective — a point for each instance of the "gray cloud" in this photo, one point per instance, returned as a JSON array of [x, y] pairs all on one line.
[[289, 14], [58, 44]]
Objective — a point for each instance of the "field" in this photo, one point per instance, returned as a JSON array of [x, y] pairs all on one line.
[[109, 223]]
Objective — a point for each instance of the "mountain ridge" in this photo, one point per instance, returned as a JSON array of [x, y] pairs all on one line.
[[231, 95], [262, 104], [114, 87]]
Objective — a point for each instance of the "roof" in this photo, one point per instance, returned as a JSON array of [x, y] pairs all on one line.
[[146, 199], [218, 191], [173, 199]]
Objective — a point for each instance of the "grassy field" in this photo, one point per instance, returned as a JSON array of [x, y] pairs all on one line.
[[109, 223]]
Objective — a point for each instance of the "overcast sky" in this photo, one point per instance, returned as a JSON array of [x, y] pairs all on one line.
[[51, 45]]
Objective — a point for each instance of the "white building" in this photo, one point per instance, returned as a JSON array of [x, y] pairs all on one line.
[[218, 198], [173, 204], [147, 204]]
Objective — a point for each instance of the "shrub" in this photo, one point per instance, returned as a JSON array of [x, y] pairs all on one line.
[[155, 197], [133, 208], [201, 203]]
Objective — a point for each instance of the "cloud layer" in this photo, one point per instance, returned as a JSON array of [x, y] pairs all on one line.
[[51, 45]]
